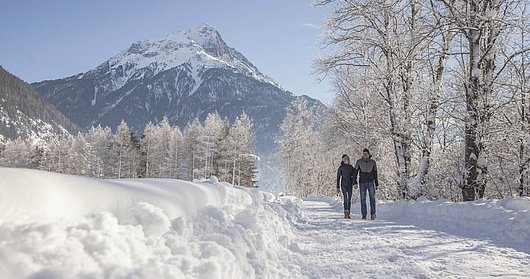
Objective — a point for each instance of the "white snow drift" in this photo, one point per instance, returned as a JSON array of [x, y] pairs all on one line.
[[61, 226]]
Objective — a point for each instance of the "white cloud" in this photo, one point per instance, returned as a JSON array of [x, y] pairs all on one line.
[[311, 25]]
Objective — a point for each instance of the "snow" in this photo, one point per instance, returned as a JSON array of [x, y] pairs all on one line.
[[4, 117], [176, 49], [388, 248], [61, 226], [504, 222], [93, 102], [35, 131]]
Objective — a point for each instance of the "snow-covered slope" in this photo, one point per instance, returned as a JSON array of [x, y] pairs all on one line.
[[24, 114], [183, 76], [201, 48], [61, 226]]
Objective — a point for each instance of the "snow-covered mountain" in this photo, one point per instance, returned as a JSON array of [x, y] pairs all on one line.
[[25, 114], [185, 75]]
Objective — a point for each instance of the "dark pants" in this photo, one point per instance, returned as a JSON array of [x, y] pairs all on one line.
[[346, 193], [371, 193]]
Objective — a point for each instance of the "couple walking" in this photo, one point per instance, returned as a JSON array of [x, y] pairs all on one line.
[[366, 169]]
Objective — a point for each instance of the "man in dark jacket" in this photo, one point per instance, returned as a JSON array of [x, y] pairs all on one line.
[[345, 180], [367, 172]]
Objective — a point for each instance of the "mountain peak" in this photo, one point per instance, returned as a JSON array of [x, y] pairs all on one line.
[[200, 47], [200, 34], [204, 29]]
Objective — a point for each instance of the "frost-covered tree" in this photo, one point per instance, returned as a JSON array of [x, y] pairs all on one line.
[[241, 144], [57, 155], [126, 152], [444, 75], [481, 25], [163, 148], [17, 153], [162, 152], [508, 150], [147, 151], [353, 122], [430, 93], [388, 38], [79, 156], [175, 152], [100, 143], [215, 134], [193, 149], [300, 150]]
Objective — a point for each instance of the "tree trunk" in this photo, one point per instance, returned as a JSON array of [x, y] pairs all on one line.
[[399, 147], [400, 138], [521, 168], [472, 138], [434, 103], [482, 39]]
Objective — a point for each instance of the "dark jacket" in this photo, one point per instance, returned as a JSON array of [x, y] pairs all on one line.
[[346, 175], [367, 170]]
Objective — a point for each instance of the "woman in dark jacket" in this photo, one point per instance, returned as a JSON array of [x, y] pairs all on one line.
[[345, 180]]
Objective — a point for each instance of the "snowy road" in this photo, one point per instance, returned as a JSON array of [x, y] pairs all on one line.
[[337, 248]]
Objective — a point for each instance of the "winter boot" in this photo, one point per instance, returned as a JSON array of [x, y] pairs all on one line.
[[373, 216], [364, 217], [346, 214]]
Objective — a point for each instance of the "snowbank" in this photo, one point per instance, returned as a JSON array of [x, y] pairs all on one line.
[[504, 222], [61, 226], [35, 194]]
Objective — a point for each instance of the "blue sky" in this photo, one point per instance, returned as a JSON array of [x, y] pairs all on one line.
[[54, 39]]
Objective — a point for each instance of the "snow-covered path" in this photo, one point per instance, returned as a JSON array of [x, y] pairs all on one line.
[[337, 248]]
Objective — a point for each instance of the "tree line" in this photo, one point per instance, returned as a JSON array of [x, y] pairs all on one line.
[[161, 151]]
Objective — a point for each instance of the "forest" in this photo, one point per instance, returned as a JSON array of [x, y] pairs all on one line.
[[437, 90], [161, 151]]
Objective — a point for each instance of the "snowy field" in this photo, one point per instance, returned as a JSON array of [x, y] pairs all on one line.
[[61, 226]]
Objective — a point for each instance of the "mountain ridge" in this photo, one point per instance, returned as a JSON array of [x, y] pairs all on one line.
[[25, 114], [183, 76]]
